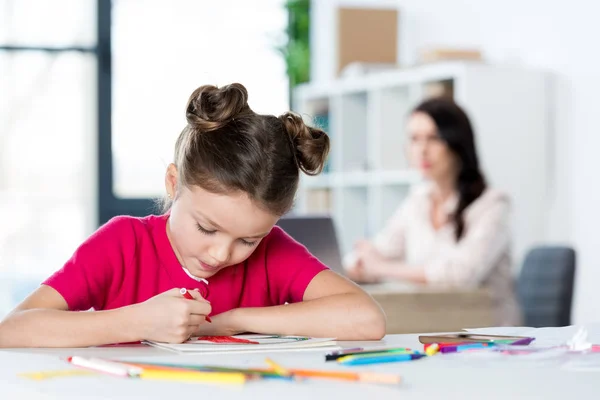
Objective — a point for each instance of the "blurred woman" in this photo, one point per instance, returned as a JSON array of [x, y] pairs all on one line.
[[452, 230]]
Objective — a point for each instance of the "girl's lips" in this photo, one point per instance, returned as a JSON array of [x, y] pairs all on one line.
[[208, 267]]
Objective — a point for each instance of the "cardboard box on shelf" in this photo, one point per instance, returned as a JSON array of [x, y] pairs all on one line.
[[367, 35], [434, 54]]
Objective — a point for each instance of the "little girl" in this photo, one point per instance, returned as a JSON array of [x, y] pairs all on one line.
[[234, 175]]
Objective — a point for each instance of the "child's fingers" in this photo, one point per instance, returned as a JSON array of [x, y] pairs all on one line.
[[175, 292], [196, 319], [197, 296], [202, 308]]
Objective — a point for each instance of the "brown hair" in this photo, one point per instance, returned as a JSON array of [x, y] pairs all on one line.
[[455, 129], [227, 147]]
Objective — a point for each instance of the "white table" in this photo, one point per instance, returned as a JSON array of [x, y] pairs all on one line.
[[438, 377]]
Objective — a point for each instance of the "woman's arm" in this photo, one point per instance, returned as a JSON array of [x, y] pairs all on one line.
[[390, 241], [375, 267], [484, 241], [332, 307], [43, 320]]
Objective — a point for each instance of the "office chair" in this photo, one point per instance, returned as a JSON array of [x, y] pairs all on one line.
[[545, 286], [318, 235]]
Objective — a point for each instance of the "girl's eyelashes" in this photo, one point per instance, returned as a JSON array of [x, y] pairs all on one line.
[[208, 232], [205, 231]]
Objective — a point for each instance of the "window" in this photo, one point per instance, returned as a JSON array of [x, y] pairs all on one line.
[[162, 53], [47, 137]]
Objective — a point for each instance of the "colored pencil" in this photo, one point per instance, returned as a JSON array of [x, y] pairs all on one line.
[[277, 368], [105, 366], [380, 359], [371, 377], [193, 376], [339, 354]]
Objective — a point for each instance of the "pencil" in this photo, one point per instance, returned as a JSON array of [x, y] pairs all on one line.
[[363, 360], [277, 368], [371, 377], [155, 374], [105, 366], [334, 357]]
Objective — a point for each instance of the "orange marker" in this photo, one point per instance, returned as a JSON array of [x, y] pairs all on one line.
[[184, 293]]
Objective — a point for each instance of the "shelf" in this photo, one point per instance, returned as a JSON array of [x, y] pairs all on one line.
[[368, 173], [360, 179], [352, 132], [318, 201], [350, 213]]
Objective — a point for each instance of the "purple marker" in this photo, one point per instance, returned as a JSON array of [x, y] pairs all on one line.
[[462, 347]]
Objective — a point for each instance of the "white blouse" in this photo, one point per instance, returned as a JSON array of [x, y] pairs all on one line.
[[482, 256]]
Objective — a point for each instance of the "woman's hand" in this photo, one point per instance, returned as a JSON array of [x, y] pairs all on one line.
[[169, 317], [372, 265], [360, 275]]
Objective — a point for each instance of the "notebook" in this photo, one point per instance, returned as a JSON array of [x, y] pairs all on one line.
[[247, 343]]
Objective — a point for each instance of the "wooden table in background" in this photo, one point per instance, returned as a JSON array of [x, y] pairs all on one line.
[[411, 309]]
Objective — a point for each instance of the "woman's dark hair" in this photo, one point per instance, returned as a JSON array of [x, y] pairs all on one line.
[[455, 129], [227, 147]]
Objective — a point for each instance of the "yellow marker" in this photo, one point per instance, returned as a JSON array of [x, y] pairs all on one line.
[[432, 349], [278, 368], [233, 378], [41, 375]]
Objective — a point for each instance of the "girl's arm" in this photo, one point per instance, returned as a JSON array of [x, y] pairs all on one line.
[[43, 320], [332, 307]]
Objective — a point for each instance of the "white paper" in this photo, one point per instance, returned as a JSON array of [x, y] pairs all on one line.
[[266, 343]]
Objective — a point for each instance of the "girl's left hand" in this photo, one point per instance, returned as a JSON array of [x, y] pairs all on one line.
[[222, 325]]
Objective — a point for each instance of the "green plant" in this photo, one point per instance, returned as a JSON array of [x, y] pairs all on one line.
[[296, 50]]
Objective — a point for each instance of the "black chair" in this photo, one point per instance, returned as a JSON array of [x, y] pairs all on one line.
[[318, 235], [545, 286]]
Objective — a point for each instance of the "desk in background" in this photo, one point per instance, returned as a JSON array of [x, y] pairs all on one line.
[[411, 308]]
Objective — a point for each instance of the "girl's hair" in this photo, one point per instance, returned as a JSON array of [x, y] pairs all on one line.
[[455, 129], [226, 147]]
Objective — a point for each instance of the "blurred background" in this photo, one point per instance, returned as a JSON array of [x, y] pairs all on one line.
[[92, 97]]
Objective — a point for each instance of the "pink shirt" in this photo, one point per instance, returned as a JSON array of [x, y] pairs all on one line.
[[129, 260]]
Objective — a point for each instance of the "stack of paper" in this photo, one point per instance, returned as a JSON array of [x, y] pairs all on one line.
[[258, 343]]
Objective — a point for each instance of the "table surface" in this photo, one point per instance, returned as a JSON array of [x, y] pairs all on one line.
[[405, 287], [442, 376]]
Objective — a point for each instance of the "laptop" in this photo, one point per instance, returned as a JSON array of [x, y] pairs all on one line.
[[318, 235]]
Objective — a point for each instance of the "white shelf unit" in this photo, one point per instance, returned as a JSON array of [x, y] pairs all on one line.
[[368, 176]]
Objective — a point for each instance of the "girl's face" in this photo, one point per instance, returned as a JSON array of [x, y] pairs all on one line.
[[210, 231], [427, 150]]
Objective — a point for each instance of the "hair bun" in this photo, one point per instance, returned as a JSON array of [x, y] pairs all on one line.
[[210, 107], [311, 145]]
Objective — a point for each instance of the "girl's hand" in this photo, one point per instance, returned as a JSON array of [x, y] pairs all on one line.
[[169, 317], [222, 325]]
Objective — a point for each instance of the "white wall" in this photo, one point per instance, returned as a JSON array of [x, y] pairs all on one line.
[[554, 35]]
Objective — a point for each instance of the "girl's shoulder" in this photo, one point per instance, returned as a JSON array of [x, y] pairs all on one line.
[[126, 227]]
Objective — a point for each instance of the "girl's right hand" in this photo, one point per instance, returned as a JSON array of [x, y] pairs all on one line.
[[169, 317]]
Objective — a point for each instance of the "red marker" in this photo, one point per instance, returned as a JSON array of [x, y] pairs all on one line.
[[184, 293]]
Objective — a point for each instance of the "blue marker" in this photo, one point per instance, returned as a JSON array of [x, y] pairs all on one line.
[[380, 359]]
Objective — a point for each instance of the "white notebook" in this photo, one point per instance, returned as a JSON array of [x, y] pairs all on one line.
[[248, 343]]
